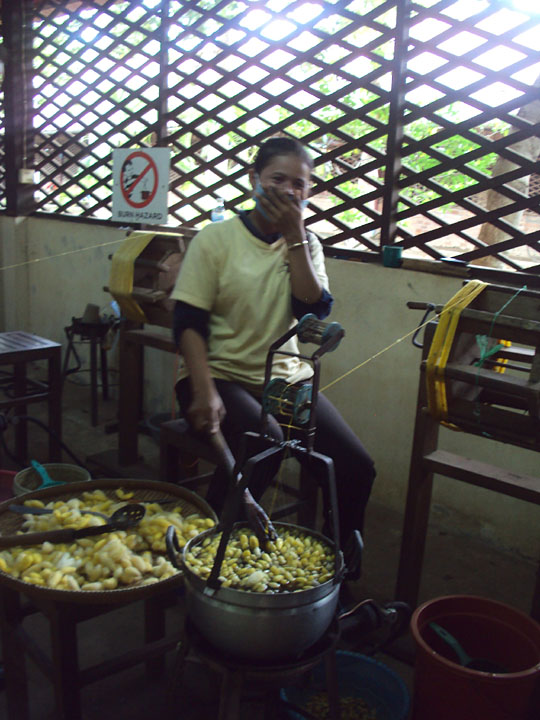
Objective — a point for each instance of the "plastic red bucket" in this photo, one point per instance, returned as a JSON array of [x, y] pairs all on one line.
[[445, 690]]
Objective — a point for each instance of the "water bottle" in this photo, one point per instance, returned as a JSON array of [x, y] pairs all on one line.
[[218, 213]]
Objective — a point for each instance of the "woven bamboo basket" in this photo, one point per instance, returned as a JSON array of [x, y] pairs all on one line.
[[143, 491], [29, 479]]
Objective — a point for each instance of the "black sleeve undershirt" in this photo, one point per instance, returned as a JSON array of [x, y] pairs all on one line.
[[321, 308], [188, 316]]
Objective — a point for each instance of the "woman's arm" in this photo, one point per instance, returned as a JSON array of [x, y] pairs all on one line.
[[305, 284], [194, 293], [206, 410], [285, 213], [321, 309]]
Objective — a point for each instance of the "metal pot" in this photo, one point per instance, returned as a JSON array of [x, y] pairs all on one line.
[[261, 626]]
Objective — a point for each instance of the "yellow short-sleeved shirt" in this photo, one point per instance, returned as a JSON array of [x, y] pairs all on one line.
[[244, 283]]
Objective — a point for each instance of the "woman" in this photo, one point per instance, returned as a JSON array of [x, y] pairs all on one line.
[[243, 284]]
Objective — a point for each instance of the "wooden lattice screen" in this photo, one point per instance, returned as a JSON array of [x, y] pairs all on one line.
[[471, 117], [423, 117]]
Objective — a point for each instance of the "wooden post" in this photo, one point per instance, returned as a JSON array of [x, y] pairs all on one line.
[[18, 111]]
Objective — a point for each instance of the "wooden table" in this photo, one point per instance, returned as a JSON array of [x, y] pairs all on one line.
[[18, 348], [62, 665]]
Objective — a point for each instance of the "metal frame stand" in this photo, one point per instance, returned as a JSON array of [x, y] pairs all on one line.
[[261, 680], [94, 334]]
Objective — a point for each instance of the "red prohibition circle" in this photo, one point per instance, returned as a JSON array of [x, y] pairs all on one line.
[[150, 167]]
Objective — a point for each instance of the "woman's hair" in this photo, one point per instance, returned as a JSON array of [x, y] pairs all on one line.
[[280, 146]]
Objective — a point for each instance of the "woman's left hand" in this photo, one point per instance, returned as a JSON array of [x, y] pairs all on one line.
[[258, 520], [284, 211]]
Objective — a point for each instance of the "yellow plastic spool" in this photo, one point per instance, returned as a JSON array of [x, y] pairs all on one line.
[[122, 271], [441, 345]]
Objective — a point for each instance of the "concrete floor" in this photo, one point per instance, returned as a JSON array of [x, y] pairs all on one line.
[[455, 563]]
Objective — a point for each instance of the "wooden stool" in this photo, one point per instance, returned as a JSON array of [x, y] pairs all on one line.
[[17, 349], [180, 448], [62, 666]]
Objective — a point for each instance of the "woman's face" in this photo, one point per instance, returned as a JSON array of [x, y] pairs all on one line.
[[288, 174]]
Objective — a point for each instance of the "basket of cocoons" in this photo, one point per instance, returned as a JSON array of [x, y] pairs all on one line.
[[116, 566]]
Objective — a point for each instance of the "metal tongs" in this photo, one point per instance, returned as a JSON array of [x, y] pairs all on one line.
[[257, 518], [238, 495], [121, 519]]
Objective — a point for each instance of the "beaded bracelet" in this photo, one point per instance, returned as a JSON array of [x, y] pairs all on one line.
[[297, 245]]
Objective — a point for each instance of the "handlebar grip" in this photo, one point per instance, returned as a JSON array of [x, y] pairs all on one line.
[[413, 305]]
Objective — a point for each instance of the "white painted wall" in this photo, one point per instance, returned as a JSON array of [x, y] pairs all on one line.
[[379, 400], [65, 266]]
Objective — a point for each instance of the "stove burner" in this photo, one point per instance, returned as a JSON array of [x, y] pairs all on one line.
[[243, 679]]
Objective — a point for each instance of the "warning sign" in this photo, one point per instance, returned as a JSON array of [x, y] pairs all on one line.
[[140, 185]]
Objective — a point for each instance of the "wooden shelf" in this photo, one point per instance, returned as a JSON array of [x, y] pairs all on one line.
[[491, 477]]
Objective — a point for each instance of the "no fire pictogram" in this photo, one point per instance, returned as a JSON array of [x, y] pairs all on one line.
[[140, 185], [139, 179]]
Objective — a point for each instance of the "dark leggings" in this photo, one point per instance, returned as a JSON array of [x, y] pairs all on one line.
[[354, 469]]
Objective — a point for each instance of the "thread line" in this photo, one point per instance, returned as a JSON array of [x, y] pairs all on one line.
[[62, 254], [446, 309]]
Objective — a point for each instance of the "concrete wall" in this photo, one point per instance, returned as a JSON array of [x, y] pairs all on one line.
[[53, 270], [379, 401], [67, 266], [15, 273]]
